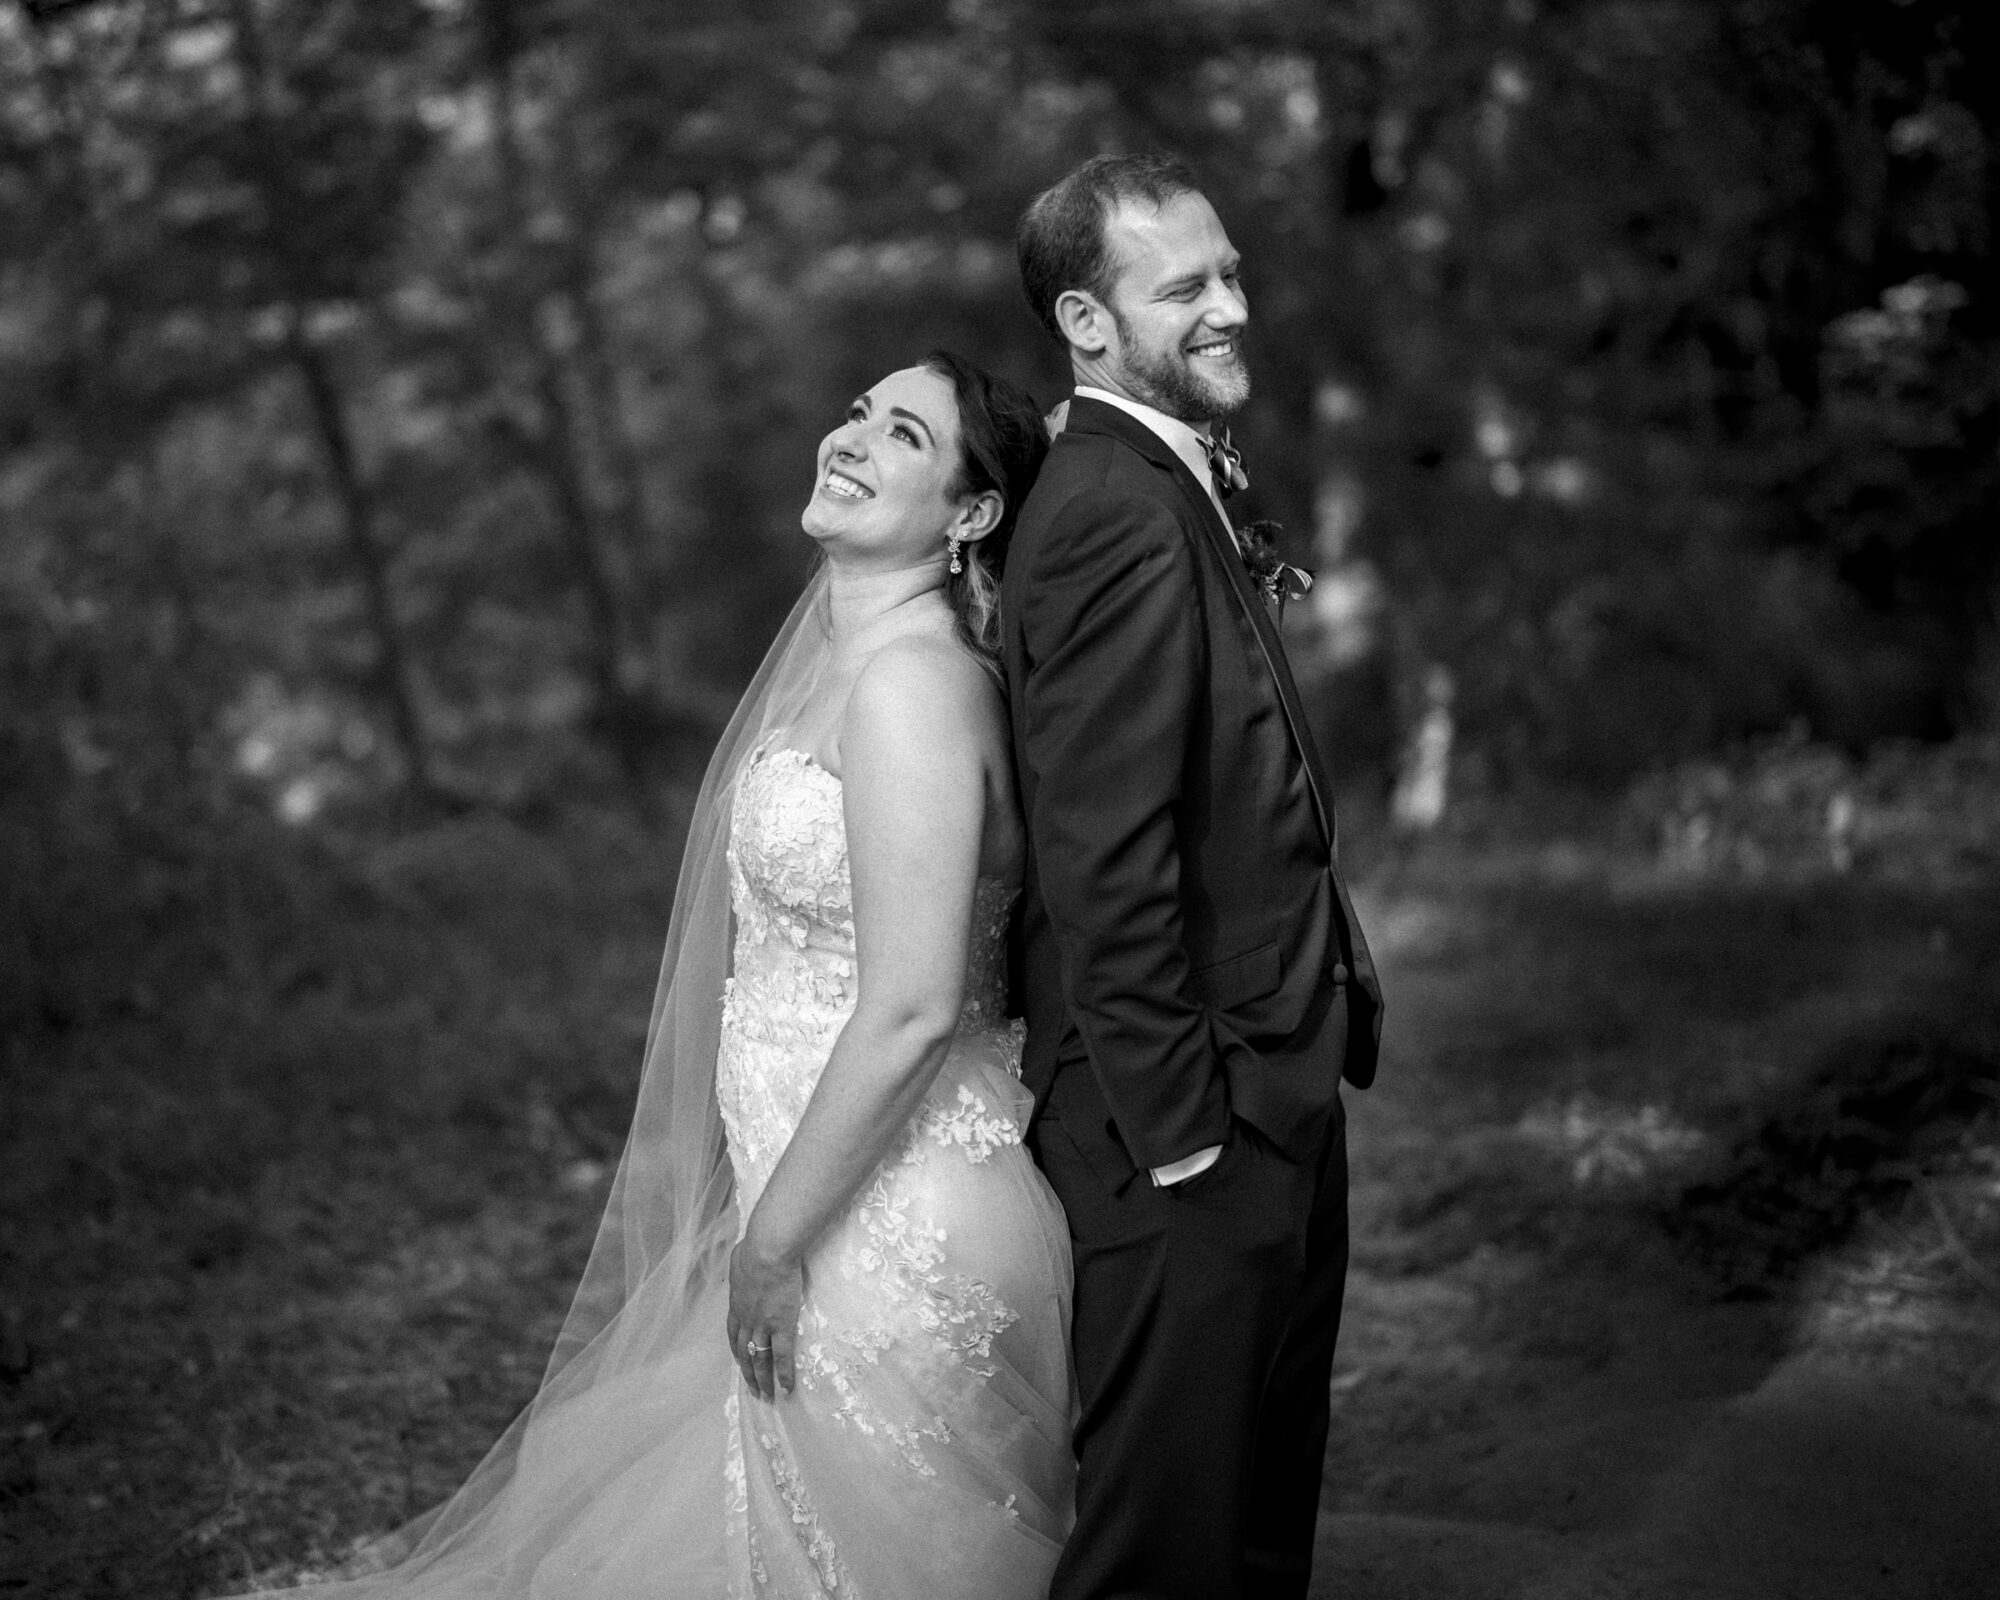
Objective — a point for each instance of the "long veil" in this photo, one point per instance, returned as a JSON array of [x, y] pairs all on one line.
[[612, 1481]]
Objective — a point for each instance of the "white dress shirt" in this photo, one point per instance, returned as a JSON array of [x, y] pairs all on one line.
[[1187, 444]]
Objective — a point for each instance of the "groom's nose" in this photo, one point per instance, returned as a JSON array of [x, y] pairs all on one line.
[[1224, 306]]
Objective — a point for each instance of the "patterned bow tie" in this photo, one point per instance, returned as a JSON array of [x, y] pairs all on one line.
[[1225, 464]]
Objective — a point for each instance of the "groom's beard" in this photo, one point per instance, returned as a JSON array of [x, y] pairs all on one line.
[[1167, 380]]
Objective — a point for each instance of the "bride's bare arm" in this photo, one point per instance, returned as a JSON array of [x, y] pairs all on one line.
[[913, 751]]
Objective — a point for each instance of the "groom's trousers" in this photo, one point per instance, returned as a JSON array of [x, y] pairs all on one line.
[[1204, 1328]]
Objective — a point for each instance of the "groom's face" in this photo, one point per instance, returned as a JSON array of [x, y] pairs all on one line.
[[1177, 309]]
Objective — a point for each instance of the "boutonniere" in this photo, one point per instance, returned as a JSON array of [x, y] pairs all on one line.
[[1276, 579]]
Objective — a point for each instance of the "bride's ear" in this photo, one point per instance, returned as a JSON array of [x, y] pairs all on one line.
[[978, 515]]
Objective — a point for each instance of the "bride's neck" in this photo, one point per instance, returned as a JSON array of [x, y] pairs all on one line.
[[859, 604]]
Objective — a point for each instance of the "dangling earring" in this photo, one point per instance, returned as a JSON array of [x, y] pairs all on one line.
[[957, 564]]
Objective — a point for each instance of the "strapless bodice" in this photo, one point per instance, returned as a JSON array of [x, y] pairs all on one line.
[[793, 983], [794, 899]]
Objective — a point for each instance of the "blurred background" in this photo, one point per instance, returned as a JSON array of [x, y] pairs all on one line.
[[405, 411]]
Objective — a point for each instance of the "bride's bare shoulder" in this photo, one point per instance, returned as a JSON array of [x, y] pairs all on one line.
[[930, 688]]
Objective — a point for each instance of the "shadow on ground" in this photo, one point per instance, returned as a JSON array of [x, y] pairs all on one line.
[[1676, 1211], [1676, 1214]]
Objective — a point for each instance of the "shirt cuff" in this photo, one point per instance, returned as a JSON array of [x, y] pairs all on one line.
[[1176, 1171]]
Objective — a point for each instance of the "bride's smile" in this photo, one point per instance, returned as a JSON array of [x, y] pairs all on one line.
[[888, 493]]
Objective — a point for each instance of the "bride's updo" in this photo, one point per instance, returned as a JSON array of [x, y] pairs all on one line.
[[1001, 442]]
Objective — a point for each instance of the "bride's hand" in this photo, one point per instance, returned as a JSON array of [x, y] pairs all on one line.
[[765, 1292]]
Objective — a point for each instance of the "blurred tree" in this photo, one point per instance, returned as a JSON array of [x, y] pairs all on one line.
[[544, 282], [1632, 361], [224, 182]]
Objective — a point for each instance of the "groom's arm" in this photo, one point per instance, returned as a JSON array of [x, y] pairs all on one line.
[[1116, 664]]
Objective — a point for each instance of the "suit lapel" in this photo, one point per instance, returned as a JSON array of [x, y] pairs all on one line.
[[1358, 955], [1224, 548], [1093, 416], [1268, 640], [1096, 417]]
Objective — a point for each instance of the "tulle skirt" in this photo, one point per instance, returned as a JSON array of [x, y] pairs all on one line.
[[924, 1453], [925, 1449]]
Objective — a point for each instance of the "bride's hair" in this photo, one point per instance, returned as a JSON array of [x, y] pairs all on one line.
[[1001, 442]]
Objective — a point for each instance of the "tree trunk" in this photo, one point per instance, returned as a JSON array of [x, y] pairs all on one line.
[[181, 648], [622, 472], [574, 515], [393, 686], [559, 449]]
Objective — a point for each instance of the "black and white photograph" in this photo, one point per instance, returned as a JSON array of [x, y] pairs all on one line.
[[999, 800]]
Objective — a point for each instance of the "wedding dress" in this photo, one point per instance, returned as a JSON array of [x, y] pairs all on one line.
[[924, 1453]]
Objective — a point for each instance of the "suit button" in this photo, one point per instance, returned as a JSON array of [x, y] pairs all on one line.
[[1339, 973]]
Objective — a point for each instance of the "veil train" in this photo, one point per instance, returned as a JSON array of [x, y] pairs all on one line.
[[611, 1482]]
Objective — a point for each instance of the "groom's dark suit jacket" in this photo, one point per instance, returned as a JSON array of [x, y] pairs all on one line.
[[1184, 928]]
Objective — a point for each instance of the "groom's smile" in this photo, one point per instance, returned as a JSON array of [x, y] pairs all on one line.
[[1176, 311]]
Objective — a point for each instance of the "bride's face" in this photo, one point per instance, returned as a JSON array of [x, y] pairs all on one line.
[[883, 495]]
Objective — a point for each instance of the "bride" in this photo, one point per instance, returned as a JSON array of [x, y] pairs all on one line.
[[821, 1347]]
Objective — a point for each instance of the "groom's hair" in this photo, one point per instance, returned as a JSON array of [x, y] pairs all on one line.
[[1061, 239]]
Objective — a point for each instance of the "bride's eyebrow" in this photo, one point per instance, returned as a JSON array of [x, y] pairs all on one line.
[[911, 416]]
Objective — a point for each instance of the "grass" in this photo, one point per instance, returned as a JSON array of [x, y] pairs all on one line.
[[306, 1138], [1639, 1138], [296, 1184]]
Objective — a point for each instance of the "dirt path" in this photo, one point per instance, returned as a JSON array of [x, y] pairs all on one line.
[[1677, 1245], [1551, 1386]]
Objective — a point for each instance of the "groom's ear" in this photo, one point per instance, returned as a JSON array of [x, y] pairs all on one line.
[[1083, 320]]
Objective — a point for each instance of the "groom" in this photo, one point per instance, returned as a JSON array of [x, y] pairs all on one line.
[[1194, 978]]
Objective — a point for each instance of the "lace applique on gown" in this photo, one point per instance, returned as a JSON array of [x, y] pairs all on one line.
[[924, 1452]]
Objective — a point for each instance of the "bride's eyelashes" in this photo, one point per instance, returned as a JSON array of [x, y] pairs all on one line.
[[858, 412]]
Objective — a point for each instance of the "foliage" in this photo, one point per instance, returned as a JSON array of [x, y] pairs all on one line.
[[1910, 811], [452, 367], [333, 1107], [405, 407]]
